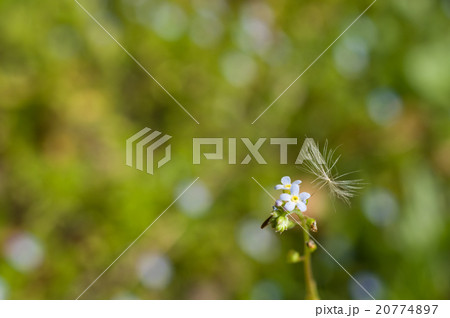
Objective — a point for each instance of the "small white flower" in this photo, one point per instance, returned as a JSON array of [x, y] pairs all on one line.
[[295, 200], [286, 183]]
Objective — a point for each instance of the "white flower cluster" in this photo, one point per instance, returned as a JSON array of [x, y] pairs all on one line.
[[291, 199]]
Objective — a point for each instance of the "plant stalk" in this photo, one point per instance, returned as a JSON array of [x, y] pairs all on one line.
[[311, 287]]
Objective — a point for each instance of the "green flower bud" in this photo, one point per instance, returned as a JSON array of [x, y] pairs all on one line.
[[282, 224], [276, 213], [294, 257], [312, 224]]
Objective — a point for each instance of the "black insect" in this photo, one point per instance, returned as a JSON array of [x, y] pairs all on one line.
[[266, 222]]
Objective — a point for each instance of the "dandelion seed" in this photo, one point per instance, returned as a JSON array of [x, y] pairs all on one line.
[[323, 167]]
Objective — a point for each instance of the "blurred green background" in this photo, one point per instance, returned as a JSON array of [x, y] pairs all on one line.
[[70, 97]]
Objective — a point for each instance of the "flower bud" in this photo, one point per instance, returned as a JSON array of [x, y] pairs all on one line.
[[278, 203], [282, 224], [276, 212], [312, 224], [294, 257], [311, 245]]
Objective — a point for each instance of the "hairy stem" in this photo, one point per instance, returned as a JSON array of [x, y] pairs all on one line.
[[311, 287]]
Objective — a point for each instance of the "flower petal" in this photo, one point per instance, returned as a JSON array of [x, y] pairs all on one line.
[[285, 197], [295, 189], [279, 187], [289, 206], [301, 206], [286, 180], [297, 182], [304, 196]]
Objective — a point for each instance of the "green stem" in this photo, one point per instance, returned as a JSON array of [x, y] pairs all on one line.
[[311, 287]]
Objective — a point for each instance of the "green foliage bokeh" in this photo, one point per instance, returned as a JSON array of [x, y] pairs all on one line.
[[70, 97]]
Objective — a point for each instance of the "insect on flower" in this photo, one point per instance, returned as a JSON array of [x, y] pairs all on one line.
[[266, 222]]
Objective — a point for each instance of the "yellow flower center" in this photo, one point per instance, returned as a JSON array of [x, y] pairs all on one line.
[[288, 186], [295, 198]]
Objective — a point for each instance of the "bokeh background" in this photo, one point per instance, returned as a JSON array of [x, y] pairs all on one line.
[[70, 97]]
